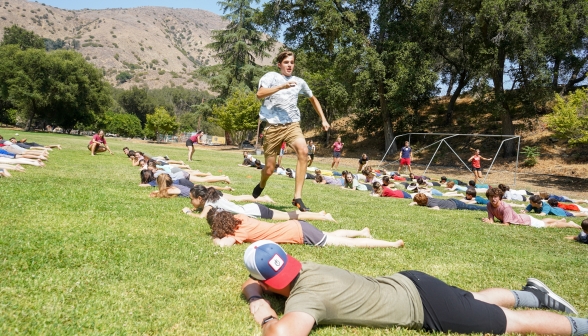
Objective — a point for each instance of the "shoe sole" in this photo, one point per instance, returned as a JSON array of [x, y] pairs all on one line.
[[538, 284]]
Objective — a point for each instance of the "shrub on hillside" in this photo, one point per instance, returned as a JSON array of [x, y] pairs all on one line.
[[569, 119]]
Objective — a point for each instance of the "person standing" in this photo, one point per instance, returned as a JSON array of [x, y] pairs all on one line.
[[195, 138], [405, 157], [476, 167], [98, 144], [337, 148], [280, 93], [311, 150]]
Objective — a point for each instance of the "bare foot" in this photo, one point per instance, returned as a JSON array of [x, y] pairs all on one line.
[[322, 212], [366, 232], [329, 217], [400, 243], [228, 180], [59, 146], [266, 199]]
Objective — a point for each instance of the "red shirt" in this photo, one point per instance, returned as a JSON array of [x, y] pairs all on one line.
[[387, 192], [337, 146], [476, 161], [98, 138], [569, 207]]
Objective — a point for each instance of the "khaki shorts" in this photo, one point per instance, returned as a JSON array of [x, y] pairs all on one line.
[[274, 135]]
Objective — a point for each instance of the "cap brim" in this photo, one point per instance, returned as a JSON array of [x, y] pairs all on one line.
[[286, 276]]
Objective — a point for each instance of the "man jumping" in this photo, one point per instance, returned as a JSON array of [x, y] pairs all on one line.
[[280, 109], [327, 295]]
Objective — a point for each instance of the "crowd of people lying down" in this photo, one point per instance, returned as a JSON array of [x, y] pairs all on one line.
[[16, 153], [426, 192]]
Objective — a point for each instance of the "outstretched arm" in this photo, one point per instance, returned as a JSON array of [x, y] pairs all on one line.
[[470, 159], [319, 110], [264, 92]]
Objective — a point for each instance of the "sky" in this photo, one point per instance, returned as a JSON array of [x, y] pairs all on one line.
[[209, 5]]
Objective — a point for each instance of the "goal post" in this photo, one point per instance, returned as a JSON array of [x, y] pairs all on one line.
[[447, 136]]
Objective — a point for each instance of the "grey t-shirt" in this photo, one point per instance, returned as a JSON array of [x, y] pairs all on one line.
[[282, 106], [335, 296], [441, 203]]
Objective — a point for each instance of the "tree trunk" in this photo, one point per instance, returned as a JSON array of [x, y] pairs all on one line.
[[388, 131], [30, 122], [462, 82], [228, 140], [505, 116], [556, 65], [450, 85]]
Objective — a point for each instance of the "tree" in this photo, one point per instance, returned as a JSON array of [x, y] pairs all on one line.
[[570, 117], [138, 102], [23, 38], [123, 124], [124, 77], [237, 47], [239, 115], [160, 122], [59, 87], [373, 47]]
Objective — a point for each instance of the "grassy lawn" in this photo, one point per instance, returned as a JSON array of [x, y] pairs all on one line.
[[84, 250]]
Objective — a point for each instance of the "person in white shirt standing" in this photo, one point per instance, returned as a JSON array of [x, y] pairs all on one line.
[[280, 93]]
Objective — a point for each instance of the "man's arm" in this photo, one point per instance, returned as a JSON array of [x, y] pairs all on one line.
[[264, 92], [317, 107], [294, 323]]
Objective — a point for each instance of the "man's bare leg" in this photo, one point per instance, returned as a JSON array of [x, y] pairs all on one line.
[[268, 170], [301, 150]]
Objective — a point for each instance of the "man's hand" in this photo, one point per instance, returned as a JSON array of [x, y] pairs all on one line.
[[288, 85], [326, 125], [543, 214], [261, 309]]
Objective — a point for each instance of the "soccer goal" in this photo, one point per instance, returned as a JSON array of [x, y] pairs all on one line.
[[443, 141]]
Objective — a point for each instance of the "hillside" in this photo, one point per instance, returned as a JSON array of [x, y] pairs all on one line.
[[160, 46]]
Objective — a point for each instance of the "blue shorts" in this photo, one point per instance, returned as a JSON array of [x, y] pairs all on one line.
[[336, 154]]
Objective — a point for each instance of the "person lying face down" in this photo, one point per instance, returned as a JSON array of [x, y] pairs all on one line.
[[319, 294]]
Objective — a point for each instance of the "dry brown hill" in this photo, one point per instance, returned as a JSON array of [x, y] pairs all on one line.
[[161, 46]]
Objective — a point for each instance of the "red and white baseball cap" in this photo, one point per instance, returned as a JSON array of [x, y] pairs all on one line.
[[268, 262]]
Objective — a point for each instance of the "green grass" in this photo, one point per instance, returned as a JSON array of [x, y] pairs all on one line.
[[84, 250]]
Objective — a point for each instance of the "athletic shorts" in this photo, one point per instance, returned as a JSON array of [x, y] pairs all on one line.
[[258, 210], [281, 152], [476, 169], [537, 223], [336, 154], [189, 143], [312, 235], [362, 162], [405, 162], [450, 309], [274, 135], [311, 156], [99, 145]]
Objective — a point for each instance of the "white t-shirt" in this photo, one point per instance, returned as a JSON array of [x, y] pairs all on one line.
[[282, 106], [249, 209]]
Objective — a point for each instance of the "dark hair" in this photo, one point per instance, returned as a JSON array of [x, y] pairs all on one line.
[[443, 178], [146, 176], [491, 192], [471, 191], [584, 224], [131, 153], [125, 148], [222, 223], [12, 138], [420, 180], [319, 178], [503, 187], [385, 180], [207, 194], [286, 53], [472, 183], [535, 199], [152, 164], [552, 201]]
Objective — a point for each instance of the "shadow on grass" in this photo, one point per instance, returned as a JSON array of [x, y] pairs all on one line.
[[574, 184]]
